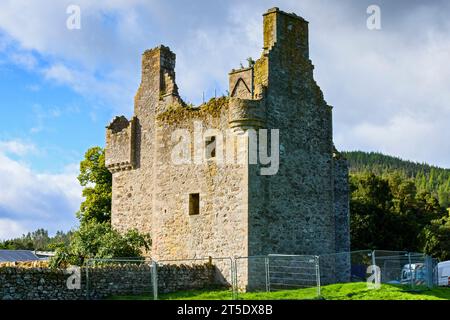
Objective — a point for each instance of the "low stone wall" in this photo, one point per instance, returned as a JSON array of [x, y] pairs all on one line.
[[42, 283], [172, 278], [18, 283]]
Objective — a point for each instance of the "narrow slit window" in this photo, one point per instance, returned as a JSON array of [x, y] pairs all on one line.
[[210, 147], [194, 204]]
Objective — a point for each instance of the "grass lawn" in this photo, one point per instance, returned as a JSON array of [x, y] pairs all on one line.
[[346, 291]]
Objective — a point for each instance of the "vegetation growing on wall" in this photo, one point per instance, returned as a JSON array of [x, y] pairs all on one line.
[[177, 113]]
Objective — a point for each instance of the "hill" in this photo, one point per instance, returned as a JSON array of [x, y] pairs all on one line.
[[426, 177]]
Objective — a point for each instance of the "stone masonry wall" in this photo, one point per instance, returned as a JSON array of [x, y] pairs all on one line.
[[342, 218], [302, 209], [220, 229], [50, 284], [292, 212], [341, 204]]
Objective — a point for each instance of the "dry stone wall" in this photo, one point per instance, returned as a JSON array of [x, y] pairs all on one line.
[[41, 283]]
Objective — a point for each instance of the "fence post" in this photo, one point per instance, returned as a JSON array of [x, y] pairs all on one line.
[[87, 280], [410, 270], [375, 269], [266, 260], [155, 279], [429, 271], [374, 262], [234, 281], [317, 260]]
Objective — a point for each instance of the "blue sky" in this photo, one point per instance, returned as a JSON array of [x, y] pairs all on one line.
[[60, 87]]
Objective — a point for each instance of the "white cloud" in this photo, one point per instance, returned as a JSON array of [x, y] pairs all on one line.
[[389, 88], [59, 73], [404, 135], [94, 61], [35, 200], [41, 25], [10, 229], [17, 147], [111, 88], [372, 78]]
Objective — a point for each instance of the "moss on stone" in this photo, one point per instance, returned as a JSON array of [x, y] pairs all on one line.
[[177, 112], [215, 105]]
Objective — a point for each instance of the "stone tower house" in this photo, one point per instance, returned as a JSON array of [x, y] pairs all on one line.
[[211, 209]]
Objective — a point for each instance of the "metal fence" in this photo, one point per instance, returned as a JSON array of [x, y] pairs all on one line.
[[345, 267], [293, 272], [120, 277], [250, 274], [270, 273], [278, 272], [415, 270], [407, 268], [219, 277]]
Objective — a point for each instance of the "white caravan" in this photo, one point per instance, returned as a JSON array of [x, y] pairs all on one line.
[[443, 273]]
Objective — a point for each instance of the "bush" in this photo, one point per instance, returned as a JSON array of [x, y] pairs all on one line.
[[99, 240]]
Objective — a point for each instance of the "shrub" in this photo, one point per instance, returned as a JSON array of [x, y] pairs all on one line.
[[98, 240]]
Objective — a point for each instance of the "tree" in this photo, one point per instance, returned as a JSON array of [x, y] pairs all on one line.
[[388, 213], [371, 199], [36, 240], [40, 239], [99, 240], [97, 183], [96, 238], [427, 178], [251, 62], [436, 238]]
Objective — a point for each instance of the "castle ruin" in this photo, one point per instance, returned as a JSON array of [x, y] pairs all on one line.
[[230, 209]]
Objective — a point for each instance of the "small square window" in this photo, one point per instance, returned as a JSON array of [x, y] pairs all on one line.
[[210, 147], [194, 204]]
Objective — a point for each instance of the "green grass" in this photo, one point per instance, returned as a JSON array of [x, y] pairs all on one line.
[[359, 291], [347, 291]]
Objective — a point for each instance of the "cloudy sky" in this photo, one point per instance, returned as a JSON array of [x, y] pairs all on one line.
[[59, 87]]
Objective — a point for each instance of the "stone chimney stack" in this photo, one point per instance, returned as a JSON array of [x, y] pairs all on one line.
[[287, 31], [157, 80]]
